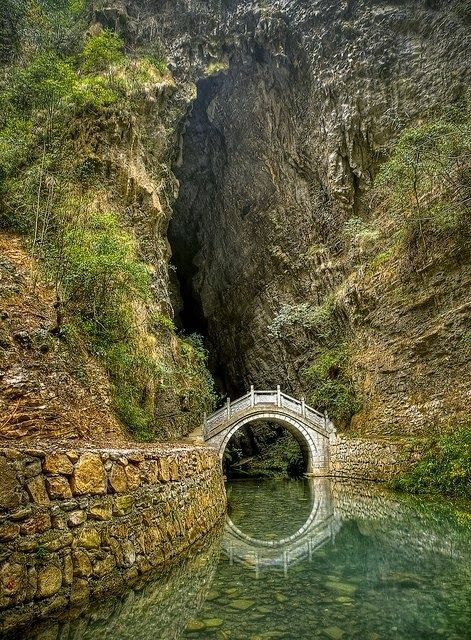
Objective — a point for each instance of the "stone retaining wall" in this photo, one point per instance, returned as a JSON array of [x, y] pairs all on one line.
[[367, 459], [77, 524]]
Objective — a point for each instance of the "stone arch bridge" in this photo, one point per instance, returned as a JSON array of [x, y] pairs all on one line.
[[312, 429]]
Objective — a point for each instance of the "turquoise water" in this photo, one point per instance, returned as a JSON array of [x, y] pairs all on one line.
[[302, 560]]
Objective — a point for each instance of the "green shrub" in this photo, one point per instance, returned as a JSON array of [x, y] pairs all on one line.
[[100, 271], [425, 183], [161, 321], [41, 84], [444, 468], [101, 51], [192, 379], [330, 388], [319, 319]]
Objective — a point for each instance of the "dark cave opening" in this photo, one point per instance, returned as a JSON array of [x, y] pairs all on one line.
[[200, 162]]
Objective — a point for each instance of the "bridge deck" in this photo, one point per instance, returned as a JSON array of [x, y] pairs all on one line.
[[217, 421]]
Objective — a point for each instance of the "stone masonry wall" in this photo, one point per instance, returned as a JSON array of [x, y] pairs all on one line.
[[367, 459], [75, 525]]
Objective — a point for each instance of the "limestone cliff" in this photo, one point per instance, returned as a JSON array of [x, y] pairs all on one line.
[[269, 136], [298, 106]]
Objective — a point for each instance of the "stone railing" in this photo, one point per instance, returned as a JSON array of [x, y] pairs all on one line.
[[77, 524], [254, 399]]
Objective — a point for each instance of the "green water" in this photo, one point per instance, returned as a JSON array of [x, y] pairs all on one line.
[[302, 560]]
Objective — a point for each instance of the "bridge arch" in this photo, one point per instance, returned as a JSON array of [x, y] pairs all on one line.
[[306, 440], [311, 428]]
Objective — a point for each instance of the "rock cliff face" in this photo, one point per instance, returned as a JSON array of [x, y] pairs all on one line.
[[275, 119], [297, 106]]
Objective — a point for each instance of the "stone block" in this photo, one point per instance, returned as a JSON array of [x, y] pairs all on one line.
[[12, 577], [76, 518], [32, 583], [59, 541], [123, 505], [118, 479], [21, 513], [32, 469], [58, 463], [9, 486], [89, 475], [129, 553], [9, 531], [58, 488], [133, 477], [164, 464], [37, 491], [80, 591], [72, 455], [82, 564], [68, 570], [136, 457], [36, 524], [104, 566], [89, 538], [101, 510], [49, 581]]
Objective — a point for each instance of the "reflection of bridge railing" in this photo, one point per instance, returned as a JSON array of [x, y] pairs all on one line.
[[254, 399], [319, 529]]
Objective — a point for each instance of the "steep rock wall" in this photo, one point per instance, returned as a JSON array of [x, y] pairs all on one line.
[[297, 106]]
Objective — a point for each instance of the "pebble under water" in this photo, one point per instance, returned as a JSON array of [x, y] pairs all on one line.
[[300, 560]]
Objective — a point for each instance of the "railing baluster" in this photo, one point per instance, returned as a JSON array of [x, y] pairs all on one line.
[[212, 424]]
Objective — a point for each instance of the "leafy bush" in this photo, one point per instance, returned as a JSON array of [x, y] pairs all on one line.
[[101, 51], [310, 317], [192, 378], [331, 389], [426, 183], [100, 271], [41, 84], [444, 468]]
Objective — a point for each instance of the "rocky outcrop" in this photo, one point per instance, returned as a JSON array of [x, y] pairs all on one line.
[[76, 524], [297, 106]]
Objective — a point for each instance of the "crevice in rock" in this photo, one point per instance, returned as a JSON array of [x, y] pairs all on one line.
[[202, 156], [239, 170]]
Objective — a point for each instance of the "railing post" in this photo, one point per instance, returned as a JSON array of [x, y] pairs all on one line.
[[252, 396], [303, 407], [228, 408], [278, 396], [326, 419]]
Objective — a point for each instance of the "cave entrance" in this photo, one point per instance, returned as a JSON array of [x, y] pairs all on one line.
[[198, 168], [264, 449]]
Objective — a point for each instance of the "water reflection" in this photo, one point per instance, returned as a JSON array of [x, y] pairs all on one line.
[[318, 528], [305, 560], [340, 561]]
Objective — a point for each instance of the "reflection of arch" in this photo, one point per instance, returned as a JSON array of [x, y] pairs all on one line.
[[319, 528], [311, 428]]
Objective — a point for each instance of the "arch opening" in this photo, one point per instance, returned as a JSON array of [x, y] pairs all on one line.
[[266, 448]]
